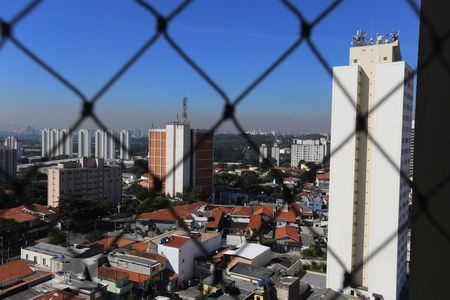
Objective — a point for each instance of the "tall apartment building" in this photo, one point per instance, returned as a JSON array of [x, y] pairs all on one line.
[[124, 137], [14, 143], [262, 152], [368, 198], [275, 153], [55, 142], [309, 150], [174, 161], [8, 163], [87, 178], [84, 143], [105, 146]]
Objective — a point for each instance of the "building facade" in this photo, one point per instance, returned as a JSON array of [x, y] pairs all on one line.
[[84, 143], [368, 198], [309, 150], [105, 146], [262, 152], [181, 158], [124, 137], [8, 163], [56, 142], [87, 178], [275, 153], [14, 143]]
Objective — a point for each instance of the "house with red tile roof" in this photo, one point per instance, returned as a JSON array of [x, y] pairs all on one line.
[[15, 276], [215, 221], [169, 218], [283, 218], [180, 252], [117, 280], [287, 238], [35, 216], [255, 222]]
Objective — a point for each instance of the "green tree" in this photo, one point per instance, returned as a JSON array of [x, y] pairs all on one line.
[[57, 237], [95, 236]]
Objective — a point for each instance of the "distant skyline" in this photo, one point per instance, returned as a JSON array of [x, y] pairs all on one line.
[[233, 41]]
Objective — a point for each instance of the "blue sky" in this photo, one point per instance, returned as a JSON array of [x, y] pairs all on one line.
[[232, 40]]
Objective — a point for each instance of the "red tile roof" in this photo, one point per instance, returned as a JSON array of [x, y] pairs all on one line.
[[255, 222], [112, 242], [14, 270], [287, 216], [159, 258], [323, 176], [171, 214], [177, 241], [240, 211], [20, 216], [17, 214], [216, 216], [134, 276], [111, 274], [141, 246], [58, 295], [287, 231], [266, 210]]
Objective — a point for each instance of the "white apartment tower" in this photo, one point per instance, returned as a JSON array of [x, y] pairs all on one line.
[[124, 144], [55, 142], [14, 143], [105, 146], [275, 153], [368, 198], [84, 143], [178, 146], [262, 152], [309, 150]]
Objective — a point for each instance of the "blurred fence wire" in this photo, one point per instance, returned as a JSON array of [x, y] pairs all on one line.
[[305, 38]]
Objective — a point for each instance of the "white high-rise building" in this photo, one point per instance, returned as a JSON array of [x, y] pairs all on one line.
[[124, 144], [368, 198], [105, 146], [14, 143], [178, 163], [84, 143], [275, 153], [54, 143], [262, 152], [309, 150]]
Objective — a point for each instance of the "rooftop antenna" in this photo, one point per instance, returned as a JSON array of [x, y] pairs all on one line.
[[184, 114]]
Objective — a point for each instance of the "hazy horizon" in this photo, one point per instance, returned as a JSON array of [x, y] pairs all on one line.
[[232, 41]]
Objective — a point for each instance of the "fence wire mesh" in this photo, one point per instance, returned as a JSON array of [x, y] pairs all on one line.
[[305, 37]]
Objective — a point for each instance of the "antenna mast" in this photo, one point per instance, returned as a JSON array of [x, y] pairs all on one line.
[[184, 115]]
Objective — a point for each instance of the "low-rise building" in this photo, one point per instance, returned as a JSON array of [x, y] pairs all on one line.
[[287, 238], [87, 179], [250, 253], [117, 281], [16, 276], [53, 257], [181, 251]]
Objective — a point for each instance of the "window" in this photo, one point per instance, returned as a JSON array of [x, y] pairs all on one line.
[[26, 256], [385, 58], [355, 60], [35, 259], [44, 261]]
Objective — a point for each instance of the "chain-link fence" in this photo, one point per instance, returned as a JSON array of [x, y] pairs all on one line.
[[306, 32]]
